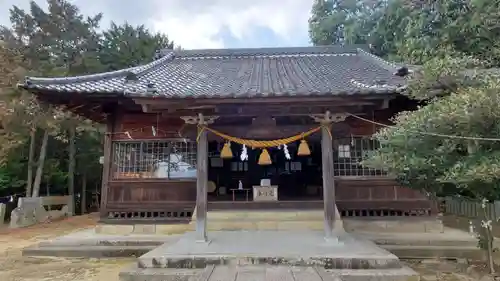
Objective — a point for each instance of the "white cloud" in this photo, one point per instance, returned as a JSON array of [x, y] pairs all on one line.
[[198, 28], [197, 23]]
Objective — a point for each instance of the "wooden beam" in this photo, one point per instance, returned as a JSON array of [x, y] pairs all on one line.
[[385, 104], [146, 108], [258, 100], [281, 131], [264, 110]]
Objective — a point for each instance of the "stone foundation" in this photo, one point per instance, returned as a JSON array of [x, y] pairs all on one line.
[[272, 255], [147, 229], [402, 225], [281, 220]]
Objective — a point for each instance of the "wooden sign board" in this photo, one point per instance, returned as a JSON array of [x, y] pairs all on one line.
[[265, 193]]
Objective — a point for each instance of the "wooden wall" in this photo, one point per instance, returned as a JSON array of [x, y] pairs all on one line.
[[140, 127], [376, 194], [157, 199], [147, 199]]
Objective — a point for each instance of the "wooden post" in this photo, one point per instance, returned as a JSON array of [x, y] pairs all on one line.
[[201, 174], [201, 184], [106, 166], [330, 209], [328, 181]]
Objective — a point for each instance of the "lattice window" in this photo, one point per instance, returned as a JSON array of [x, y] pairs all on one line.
[[169, 159], [348, 154], [344, 151]]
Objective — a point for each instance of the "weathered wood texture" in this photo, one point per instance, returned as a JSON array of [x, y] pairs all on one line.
[[150, 200], [201, 184], [159, 200], [139, 127], [150, 195], [376, 194], [151, 191], [328, 181], [106, 167]]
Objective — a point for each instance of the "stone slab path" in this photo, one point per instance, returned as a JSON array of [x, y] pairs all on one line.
[[264, 273]]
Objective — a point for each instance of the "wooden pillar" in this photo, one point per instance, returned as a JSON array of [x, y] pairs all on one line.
[[328, 182], [201, 174], [106, 165], [330, 210]]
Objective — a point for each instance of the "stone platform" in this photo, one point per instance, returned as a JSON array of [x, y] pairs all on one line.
[[89, 243], [283, 219], [267, 273], [269, 255], [293, 248]]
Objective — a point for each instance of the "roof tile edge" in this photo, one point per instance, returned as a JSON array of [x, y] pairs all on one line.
[[137, 70]]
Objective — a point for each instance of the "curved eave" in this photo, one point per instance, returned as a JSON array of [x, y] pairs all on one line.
[[137, 70], [38, 89], [95, 107], [155, 95]]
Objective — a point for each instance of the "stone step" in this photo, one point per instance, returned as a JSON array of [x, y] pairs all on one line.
[[263, 273], [272, 215], [402, 251], [291, 248], [87, 251], [419, 239], [313, 220], [214, 225], [133, 273], [399, 274], [432, 252], [152, 241], [287, 273]]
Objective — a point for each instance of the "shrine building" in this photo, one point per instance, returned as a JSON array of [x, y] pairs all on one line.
[[242, 129]]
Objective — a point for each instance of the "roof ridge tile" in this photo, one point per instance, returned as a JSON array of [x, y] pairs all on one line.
[[379, 61]]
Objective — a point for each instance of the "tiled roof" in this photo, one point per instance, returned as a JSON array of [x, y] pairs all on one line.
[[327, 70]]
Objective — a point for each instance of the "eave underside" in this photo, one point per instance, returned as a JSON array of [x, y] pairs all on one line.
[[96, 107]]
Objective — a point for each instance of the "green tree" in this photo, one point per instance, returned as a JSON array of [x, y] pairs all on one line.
[[58, 42], [451, 145], [344, 21], [126, 46], [408, 30]]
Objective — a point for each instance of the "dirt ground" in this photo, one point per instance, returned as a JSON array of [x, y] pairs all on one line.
[[14, 267]]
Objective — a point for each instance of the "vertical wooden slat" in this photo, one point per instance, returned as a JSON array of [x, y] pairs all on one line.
[[106, 168]]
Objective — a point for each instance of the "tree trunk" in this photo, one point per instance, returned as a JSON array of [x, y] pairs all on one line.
[[71, 169], [41, 162], [31, 161], [97, 194], [47, 189], [84, 194]]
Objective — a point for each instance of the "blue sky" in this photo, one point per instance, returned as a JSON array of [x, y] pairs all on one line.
[[198, 24]]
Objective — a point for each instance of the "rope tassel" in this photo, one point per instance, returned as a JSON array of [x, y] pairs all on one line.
[[265, 158], [226, 152], [303, 149]]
